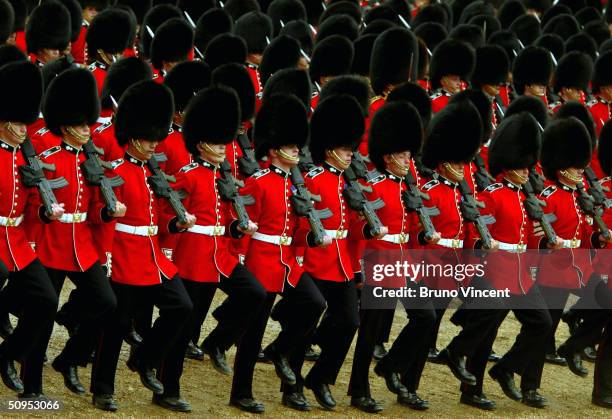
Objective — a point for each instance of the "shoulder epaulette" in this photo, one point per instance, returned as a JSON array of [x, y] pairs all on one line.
[[260, 173], [50, 152], [375, 98], [315, 172], [493, 187], [377, 179], [431, 184], [549, 191], [592, 102], [189, 167], [42, 131], [102, 127], [92, 67], [435, 95], [116, 163]]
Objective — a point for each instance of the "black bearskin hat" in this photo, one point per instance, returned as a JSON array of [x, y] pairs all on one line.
[[580, 112], [109, 31], [451, 58], [256, 29], [604, 148], [173, 42], [351, 85], [7, 20], [212, 23], [533, 65], [416, 96], [484, 106], [154, 18], [213, 116], [395, 51], [602, 72], [515, 145], [565, 144], [70, 100], [492, 66], [283, 52], [290, 81], [236, 76], [282, 120], [331, 57], [453, 135], [145, 113], [185, 80], [225, 48], [121, 75], [337, 122], [21, 81], [532, 105], [396, 127], [573, 71], [139, 7], [48, 26]]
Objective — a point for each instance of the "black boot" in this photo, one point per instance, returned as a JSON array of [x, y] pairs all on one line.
[[457, 366], [281, 365], [146, 373], [104, 402], [193, 352], [217, 356], [9, 374], [70, 374]]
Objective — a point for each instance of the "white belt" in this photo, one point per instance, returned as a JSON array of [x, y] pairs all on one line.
[[400, 238], [284, 240], [11, 222], [337, 234], [136, 230], [511, 247], [451, 243], [207, 230], [77, 217], [571, 244]]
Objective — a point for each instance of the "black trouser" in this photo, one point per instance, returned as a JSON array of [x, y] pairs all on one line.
[[96, 295], [29, 295], [440, 304], [407, 355], [602, 376], [245, 297], [160, 347], [385, 327], [529, 347], [298, 313]]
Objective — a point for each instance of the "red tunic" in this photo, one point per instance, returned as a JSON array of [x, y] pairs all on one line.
[[15, 251], [271, 263], [138, 260], [334, 262], [175, 150], [566, 268], [77, 48], [70, 246], [198, 180], [20, 41], [253, 70], [439, 99], [600, 110], [99, 71], [507, 269]]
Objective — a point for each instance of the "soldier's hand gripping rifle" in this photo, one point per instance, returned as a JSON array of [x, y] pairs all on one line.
[[159, 183], [302, 205], [228, 189], [536, 213], [413, 200], [482, 177], [469, 210], [32, 176], [587, 205], [93, 168], [356, 200], [247, 164]]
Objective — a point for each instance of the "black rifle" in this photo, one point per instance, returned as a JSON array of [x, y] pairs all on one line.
[[469, 210], [356, 200], [227, 186], [535, 212], [595, 189], [587, 205], [247, 162], [482, 177], [159, 183], [302, 205], [32, 175], [536, 180], [93, 168], [423, 170], [413, 200]]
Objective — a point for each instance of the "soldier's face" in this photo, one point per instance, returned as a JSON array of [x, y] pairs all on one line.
[[571, 176], [45, 55], [214, 153], [451, 83], [452, 171], [340, 157], [518, 176], [76, 135], [569, 93], [398, 163], [490, 89], [13, 133], [144, 149], [538, 90], [89, 13]]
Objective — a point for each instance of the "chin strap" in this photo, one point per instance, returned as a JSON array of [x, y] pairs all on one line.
[[397, 164], [11, 129], [568, 175], [522, 178], [458, 175], [287, 157], [73, 133], [341, 163], [212, 152]]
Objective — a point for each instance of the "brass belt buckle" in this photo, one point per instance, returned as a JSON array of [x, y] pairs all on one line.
[[217, 231], [455, 243], [574, 243], [284, 240], [340, 234], [76, 217], [10, 222], [151, 231], [403, 238]]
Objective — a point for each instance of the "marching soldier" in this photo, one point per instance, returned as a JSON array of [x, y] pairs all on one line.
[[395, 135], [29, 292], [107, 37], [331, 57], [47, 32], [571, 79], [451, 65], [172, 44], [65, 247], [281, 128], [91, 8], [142, 121], [514, 149], [531, 72], [336, 129], [211, 120]]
